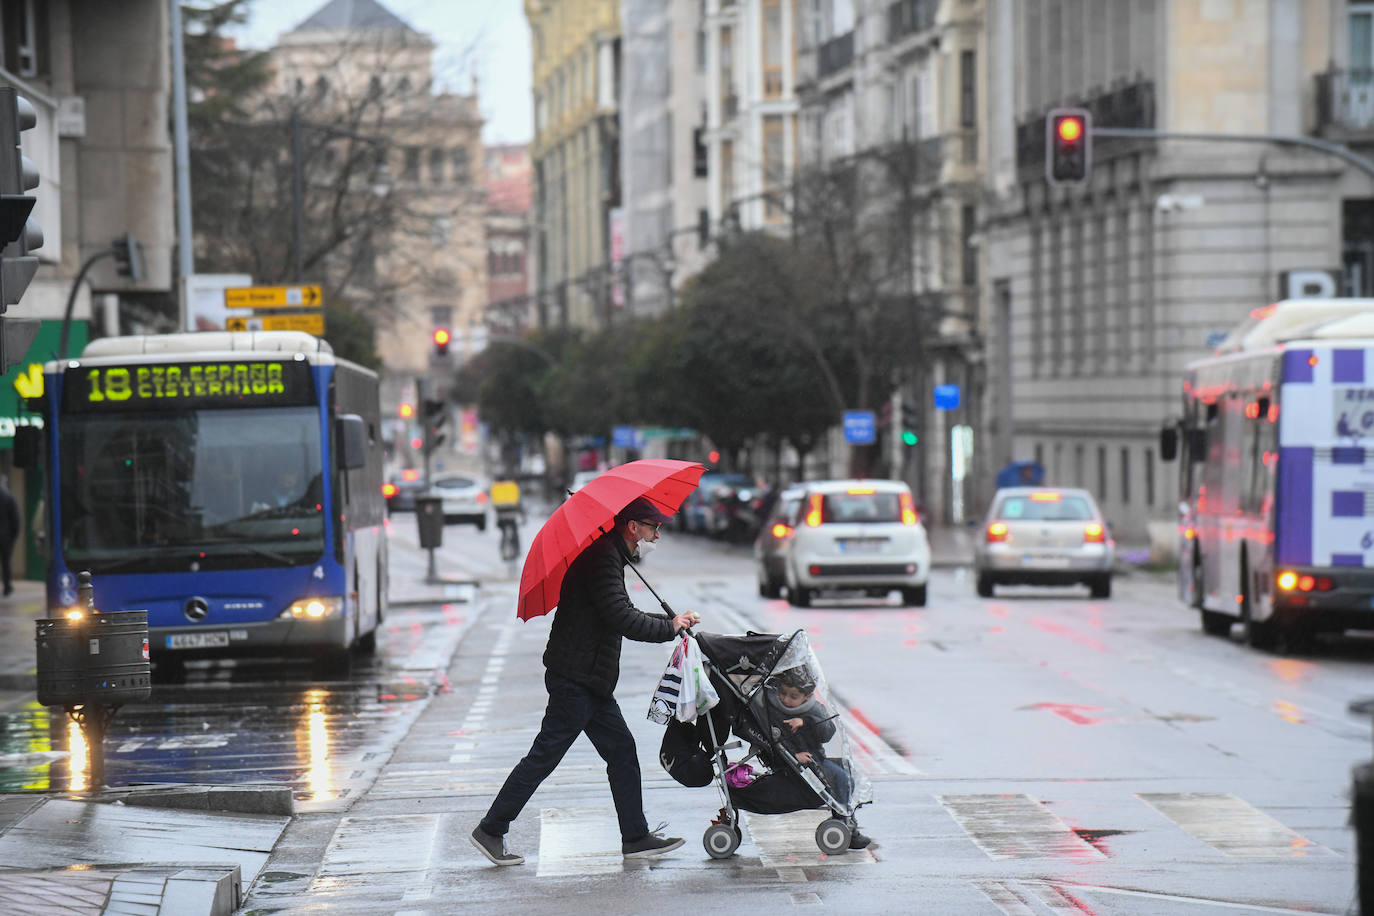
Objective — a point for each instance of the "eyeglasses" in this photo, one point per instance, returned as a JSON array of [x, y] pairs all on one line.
[[652, 526]]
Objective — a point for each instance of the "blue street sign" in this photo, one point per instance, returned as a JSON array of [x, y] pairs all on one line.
[[626, 437], [859, 427], [946, 397]]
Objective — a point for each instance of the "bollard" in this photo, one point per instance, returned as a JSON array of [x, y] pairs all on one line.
[[90, 663], [1362, 818]]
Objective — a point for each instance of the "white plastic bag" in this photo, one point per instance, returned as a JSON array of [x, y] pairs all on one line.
[[698, 694]]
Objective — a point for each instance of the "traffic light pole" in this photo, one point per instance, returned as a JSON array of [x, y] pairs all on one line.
[[1331, 149], [71, 298]]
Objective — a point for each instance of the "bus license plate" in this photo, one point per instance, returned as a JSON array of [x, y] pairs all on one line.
[[198, 640]]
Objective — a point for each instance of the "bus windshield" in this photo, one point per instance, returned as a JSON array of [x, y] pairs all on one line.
[[191, 490]]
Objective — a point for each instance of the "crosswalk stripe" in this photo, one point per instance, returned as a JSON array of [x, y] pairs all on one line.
[[1016, 827], [1231, 826], [355, 849], [787, 841], [1005, 897], [578, 841]]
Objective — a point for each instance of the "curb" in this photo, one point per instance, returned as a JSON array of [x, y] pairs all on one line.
[[223, 799]]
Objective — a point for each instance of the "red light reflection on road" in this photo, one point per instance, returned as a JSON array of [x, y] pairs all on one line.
[[997, 630], [1290, 669], [1057, 629], [999, 610], [1070, 712], [1289, 712]]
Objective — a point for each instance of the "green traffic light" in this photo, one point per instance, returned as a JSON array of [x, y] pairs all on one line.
[[909, 437]]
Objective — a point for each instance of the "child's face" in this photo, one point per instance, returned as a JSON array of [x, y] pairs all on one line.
[[791, 697]]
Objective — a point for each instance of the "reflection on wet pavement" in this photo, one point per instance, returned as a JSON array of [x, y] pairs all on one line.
[[245, 721]]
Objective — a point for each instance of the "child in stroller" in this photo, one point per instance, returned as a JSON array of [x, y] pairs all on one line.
[[774, 697]]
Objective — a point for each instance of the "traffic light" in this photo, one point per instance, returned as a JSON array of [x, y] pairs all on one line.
[[910, 425], [128, 257], [441, 341], [435, 418], [19, 235], [1068, 145]]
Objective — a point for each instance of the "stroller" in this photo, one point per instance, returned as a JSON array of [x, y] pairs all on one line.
[[749, 672]]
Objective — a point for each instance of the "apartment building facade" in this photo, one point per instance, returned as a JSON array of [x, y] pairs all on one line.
[[894, 92], [1096, 296], [576, 159]]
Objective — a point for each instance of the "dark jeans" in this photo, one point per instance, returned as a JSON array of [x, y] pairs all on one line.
[[572, 710], [839, 779]]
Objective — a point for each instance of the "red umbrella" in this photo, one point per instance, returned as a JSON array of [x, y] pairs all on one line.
[[591, 511]]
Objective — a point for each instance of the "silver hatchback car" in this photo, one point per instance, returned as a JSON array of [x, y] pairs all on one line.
[[1044, 536]]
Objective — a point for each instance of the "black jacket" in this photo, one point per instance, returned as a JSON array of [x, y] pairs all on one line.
[[594, 613]]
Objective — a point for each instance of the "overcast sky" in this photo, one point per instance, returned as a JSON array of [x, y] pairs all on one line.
[[490, 36]]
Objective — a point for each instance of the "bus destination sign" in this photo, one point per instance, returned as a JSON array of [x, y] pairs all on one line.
[[187, 386]]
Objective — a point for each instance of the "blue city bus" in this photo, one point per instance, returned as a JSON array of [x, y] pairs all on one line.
[[229, 484]]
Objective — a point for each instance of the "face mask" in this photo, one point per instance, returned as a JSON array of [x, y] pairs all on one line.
[[646, 548]]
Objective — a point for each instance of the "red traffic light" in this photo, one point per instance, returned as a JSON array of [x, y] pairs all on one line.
[[407, 411], [1070, 129], [441, 337], [1068, 145]]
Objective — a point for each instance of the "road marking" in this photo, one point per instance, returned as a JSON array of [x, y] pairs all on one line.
[[788, 841], [357, 846], [1231, 826], [1005, 897], [1016, 827], [1193, 901], [578, 841]]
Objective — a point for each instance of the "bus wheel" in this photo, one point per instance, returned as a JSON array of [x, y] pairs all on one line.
[[1197, 585]]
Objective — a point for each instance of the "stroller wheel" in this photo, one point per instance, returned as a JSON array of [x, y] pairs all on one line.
[[832, 836], [722, 841]]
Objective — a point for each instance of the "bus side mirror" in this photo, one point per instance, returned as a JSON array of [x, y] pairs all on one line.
[[28, 440], [352, 440], [1197, 444], [1168, 443]]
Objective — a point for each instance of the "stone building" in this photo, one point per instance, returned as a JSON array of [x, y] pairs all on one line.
[[508, 190], [1097, 295], [576, 156], [432, 262]]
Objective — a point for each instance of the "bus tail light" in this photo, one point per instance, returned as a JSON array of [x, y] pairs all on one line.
[[1287, 580], [1093, 533], [1290, 581], [997, 533]]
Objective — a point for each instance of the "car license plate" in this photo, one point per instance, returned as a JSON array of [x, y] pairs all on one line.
[[211, 640], [1045, 562], [861, 545]]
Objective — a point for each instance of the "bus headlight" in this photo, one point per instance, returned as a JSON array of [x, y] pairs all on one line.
[[320, 608]]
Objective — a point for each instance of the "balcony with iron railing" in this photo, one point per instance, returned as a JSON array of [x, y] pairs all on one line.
[[907, 17], [836, 54], [1345, 101]]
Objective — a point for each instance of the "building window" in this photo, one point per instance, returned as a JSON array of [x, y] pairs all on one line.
[[969, 218], [412, 166], [1149, 477], [774, 167], [1057, 294], [441, 316], [1040, 453], [1102, 473], [1101, 295], [968, 86], [700, 159], [1080, 315], [727, 174], [1360, 28], [436, 166], [1078, 469], [1037, 315], [459, 154], [727, 73], [1123, 286], [24, 24], [1125, 476], [772, 49]]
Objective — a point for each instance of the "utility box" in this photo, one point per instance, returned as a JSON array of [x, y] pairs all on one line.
[[97, 659], [429, 515]]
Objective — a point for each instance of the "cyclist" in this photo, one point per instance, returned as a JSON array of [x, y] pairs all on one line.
[[505, 500]]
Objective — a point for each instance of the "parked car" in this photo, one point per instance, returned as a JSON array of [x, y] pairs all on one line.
[[400, 492], [860, 535], [770, 546], [1044, 536], [693, 516], [464, 499]]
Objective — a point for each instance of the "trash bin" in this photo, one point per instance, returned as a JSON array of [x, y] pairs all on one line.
[[100, 658], [429, 515]]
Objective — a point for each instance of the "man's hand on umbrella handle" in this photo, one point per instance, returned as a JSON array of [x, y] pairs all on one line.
[[685, 621]]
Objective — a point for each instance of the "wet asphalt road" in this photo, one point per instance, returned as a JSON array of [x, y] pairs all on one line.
[[1039, 752]]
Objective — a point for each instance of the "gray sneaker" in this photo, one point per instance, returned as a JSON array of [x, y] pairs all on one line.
[[494, 848], [652, 845]]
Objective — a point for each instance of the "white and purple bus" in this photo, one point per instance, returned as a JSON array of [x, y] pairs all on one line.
[[1277, 477], [229, 484]]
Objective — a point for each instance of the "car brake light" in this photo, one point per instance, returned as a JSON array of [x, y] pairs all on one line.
[[997, 533], [860, 491], [1046, 497], [481, 499], [410, 474], [1093, 533], [813, 511], [388, 490], [909, 516], [1287, 580], [781, 531]]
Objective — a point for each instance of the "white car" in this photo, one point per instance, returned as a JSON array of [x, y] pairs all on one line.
[[858, 535], [1045, 536], [464, 499]]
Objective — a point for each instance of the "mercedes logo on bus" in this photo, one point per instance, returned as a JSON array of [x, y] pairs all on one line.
[[197, 609]]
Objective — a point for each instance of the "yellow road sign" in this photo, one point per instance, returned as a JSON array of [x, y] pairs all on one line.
[[309, 323], [272, 297]]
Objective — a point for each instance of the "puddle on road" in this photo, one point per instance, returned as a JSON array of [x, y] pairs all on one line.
[[227, 724]]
